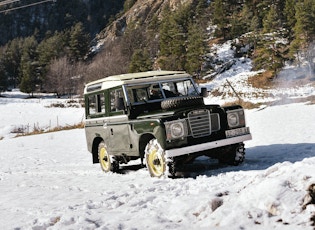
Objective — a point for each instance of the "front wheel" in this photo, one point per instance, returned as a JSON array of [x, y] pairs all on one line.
[[104, 158], [234, 156], [155, 158]]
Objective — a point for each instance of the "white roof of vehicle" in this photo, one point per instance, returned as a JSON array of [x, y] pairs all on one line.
[[117, 80]]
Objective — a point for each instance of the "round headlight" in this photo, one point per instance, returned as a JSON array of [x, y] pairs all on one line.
[[177, 130], [232, 119]]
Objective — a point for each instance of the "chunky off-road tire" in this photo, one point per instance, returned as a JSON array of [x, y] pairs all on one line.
[[107, 164], [178, 102], [155, 158], [235, 156]]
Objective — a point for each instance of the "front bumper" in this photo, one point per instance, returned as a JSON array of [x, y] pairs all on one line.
[[206, 146]]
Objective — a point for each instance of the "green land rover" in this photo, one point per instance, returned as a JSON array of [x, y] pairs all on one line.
[[159, 117]]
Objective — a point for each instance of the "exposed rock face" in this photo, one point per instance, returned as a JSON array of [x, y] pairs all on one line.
[[140, 13]]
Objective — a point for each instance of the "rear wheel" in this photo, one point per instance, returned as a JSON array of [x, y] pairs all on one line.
[[107, 164], [155, 158]]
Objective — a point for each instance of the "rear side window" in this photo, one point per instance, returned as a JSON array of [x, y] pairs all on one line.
[[116, 100], [96, 104]]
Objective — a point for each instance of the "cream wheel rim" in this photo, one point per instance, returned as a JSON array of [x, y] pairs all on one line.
[[155, 160], [104, 159]]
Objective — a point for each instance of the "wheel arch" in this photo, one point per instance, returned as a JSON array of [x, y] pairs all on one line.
[[143, 141], [95, 144]]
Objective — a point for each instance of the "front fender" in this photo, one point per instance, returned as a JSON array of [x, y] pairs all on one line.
[[154, 127]]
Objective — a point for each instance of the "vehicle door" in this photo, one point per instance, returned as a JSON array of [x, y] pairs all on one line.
[[95, 117], [118, 126]]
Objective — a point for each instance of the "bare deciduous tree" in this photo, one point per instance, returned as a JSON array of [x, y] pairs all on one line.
[[110, 61], [65, 78]]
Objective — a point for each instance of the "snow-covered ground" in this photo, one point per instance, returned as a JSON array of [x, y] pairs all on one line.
[[48, 181], [21, 115]]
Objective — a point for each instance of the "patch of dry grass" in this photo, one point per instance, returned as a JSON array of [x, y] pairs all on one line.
[[249, 105], [244, 104], [56, 129], [311, 100], [262, 80]]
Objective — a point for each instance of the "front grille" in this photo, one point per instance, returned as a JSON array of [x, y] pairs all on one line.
[[199, 123], [202, 123]]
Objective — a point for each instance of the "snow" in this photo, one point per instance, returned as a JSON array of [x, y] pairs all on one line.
[[291, 82], [19, 114], [48, 181]]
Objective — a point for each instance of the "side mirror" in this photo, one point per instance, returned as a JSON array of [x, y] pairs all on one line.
[[204, 92]]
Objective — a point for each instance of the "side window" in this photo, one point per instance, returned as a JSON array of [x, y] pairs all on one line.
[[186, 88], [92, 104], [137, 95], [116, 100], [96, 104], [169, 89], [101, 103], [131, 94], [155, 92], [142, 94]]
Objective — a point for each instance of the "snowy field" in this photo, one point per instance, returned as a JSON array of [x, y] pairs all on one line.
[[20, 114], [48, 181]]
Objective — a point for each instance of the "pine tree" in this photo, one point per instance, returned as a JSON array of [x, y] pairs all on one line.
[[172, 41], [79, 42], [11, 61], [3, 77], [29, 66], [201, 6], [246, 16], [271, 21], [304, 27], [196, 48], [220, 17], [238, 27], [254, 24], [289, 13], [50, 48], [140, 61], [269, 55], [304, 30]]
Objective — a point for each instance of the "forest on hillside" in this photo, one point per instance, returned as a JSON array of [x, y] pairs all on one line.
[[52, 50]]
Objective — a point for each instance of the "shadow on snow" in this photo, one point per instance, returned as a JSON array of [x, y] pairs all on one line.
[[257, 158]]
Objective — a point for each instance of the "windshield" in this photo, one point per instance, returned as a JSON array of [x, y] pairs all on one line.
[[160, 90]]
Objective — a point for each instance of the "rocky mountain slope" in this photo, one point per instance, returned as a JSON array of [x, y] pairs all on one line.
[[141, 13], [19, 19]]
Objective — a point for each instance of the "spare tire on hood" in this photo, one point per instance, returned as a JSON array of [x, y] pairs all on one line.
[[180, 102]]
